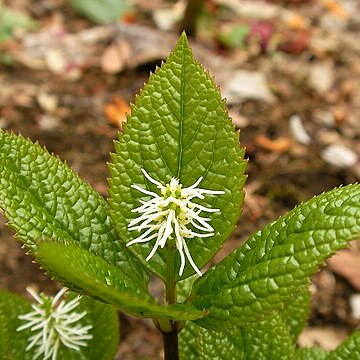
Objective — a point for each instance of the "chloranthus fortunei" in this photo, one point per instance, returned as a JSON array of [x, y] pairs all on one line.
[[54, 323], [172, 215], [176, 190]]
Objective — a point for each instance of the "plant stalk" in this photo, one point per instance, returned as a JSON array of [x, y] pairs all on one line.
[[171, 349], [170, 338]]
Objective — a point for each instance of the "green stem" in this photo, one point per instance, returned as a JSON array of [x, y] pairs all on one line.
[[170, 284], [170, 338]]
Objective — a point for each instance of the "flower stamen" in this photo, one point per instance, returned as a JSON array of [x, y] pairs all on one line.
[[54, 323], [171, 215]]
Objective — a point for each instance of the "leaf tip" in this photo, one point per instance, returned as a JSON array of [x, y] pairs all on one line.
[[183, 36], [183, 40]]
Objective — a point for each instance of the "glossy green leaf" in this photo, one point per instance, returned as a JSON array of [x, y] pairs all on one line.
[[102, 317], [267, 340], [105, 331], [220, 345], [275, 263], [183, 288], [311, 354], [44, 199], [12, 306], [80, 270], [296, 312], [179, 128], [188, 344], [188, 347], [348, 349]]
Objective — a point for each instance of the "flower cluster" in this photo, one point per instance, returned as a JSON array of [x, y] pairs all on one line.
[[54, 324], [172, 213]]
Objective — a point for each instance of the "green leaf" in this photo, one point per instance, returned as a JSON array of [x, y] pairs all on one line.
[[101, 11], [12, 306], [348, 349], [179, 128], [220, 345], [296, 313], [275, 263], [102, 317], [267, 340], [44, 199], [188, 346], [183, 288], [79, 269], [311, 354], [105, 331]]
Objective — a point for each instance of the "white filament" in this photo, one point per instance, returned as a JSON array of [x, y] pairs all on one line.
[[172, 214], [54, 324]]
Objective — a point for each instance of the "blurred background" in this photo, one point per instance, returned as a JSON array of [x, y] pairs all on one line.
[[290, 71]]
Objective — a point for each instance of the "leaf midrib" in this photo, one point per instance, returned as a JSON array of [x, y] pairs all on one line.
[[182, 112]]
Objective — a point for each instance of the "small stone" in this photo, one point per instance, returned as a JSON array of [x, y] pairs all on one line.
[[321, 77], [298, 130], [47, 102], [48, 123], [339, 155], [56, 61], [355, 305], [245, 85]]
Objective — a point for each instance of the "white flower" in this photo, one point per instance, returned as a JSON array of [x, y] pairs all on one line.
[[54, 324], [172, 214]]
